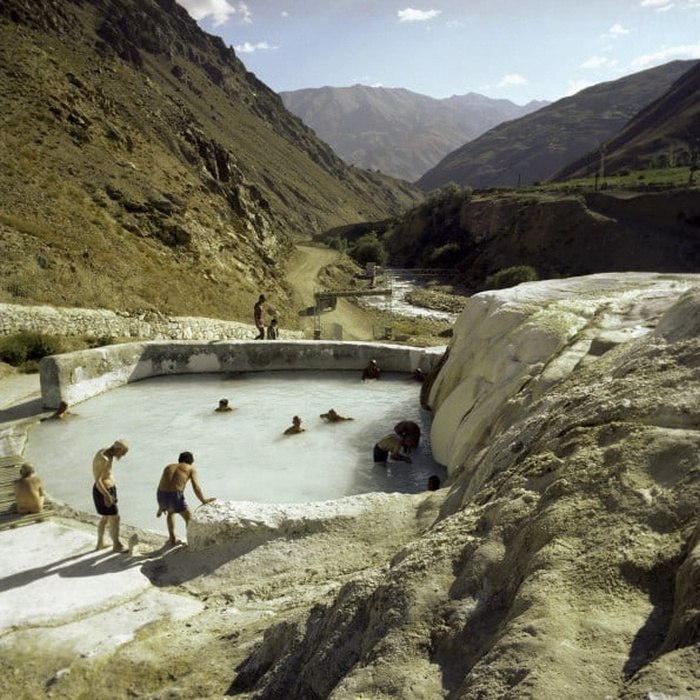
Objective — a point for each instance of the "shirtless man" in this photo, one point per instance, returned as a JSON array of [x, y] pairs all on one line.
[[295, 427], [372, 371], [333, 417], [104, 494], [410, 431], [29, 491], [390, 446], [171, 496]]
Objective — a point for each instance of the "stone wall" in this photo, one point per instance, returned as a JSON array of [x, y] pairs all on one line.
[[77, 376], [105, 323]]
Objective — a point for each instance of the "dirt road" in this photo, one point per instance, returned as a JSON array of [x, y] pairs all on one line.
[[347, 321]]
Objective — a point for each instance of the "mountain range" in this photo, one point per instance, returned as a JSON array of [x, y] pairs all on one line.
[[394, 130], [535, 147], [138, 151]]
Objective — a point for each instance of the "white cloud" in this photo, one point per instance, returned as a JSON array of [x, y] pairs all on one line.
[[512, 79], [654, 3], [247, 47], [671, 53], [599, 62], [575, 86], [411, 15], [615, 32], [219, 10]]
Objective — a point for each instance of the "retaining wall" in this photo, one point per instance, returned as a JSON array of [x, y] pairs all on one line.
[[105, 323], [77, 376]]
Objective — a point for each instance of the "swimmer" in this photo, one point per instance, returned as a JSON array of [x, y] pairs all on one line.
[[170, 493], [372, 370], [295, 427], [410, 432], [433, 483], [333, 417], [29, 491], [390, 446], [223, 406]]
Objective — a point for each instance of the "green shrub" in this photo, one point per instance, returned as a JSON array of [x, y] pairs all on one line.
[[510, 276], [447, 255], [369, 248], [27, 347]]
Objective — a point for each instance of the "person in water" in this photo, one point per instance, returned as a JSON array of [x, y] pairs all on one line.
[[171, 496], [372, 371], [410, 432], [295, 427], [390, 446], [223, 406], [332, 417]]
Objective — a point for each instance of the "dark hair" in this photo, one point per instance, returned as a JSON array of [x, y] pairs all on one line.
[[186, 458], [433, 483]]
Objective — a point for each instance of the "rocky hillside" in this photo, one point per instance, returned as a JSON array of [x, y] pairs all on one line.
[[144, 167], [536, 146], [666, 132], [396, 131]]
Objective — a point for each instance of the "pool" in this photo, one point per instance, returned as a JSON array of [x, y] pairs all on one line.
[[241, 455]]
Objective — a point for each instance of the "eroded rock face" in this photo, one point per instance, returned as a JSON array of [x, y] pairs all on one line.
[[562, 561]]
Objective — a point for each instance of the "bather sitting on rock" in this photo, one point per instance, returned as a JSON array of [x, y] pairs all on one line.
[[372, 371], [410, 432], [29, 491], [390, 446], [223, 406], [171, 496], [295, 427], [333, 417]]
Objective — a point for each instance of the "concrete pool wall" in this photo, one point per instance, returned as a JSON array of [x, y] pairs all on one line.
[[77, 376]]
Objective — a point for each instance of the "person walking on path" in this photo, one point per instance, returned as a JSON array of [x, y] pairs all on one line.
[[171, 492], [258, 317], [104, 494]]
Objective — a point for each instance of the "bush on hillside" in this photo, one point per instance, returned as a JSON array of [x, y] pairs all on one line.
[[19, 349], [447, 255], [510, 276], [369, 248]]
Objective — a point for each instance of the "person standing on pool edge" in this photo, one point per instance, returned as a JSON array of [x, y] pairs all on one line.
[[170, 493], [258, 317], [104, 494]]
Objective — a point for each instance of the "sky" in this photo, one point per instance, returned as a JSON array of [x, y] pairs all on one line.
[[519, 50]]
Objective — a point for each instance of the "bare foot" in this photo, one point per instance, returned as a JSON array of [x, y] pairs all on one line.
[[119, 547], [176, 543], [133, 541], [101, 545]]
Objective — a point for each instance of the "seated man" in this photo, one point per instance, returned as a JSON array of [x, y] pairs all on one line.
[[223, 406], [171, 496], [390, 446], [272, 332], [333, 417], [29, 491], [372, 370], [295, 427]]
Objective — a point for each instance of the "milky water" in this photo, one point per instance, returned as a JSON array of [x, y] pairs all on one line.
[[242, 454]]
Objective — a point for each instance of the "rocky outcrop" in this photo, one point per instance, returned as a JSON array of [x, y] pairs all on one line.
[[563, 558]]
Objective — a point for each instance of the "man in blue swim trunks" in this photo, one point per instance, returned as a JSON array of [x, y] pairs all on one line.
[[171, 496]]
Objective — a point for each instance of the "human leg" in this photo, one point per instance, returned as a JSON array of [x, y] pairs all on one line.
[[101, 544], [117, 546]]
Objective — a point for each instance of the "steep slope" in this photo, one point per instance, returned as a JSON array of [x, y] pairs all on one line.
[[536, 146], [396, 131], [667, 129], [143, 167]]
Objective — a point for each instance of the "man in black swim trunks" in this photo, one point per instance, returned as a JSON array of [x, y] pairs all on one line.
[[104, 494], [390, 446], [171, 496]]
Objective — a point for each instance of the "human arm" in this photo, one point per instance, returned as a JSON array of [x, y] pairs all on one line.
[[198, 489]]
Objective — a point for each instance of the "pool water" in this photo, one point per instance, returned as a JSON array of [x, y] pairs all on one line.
[[241, 455]]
